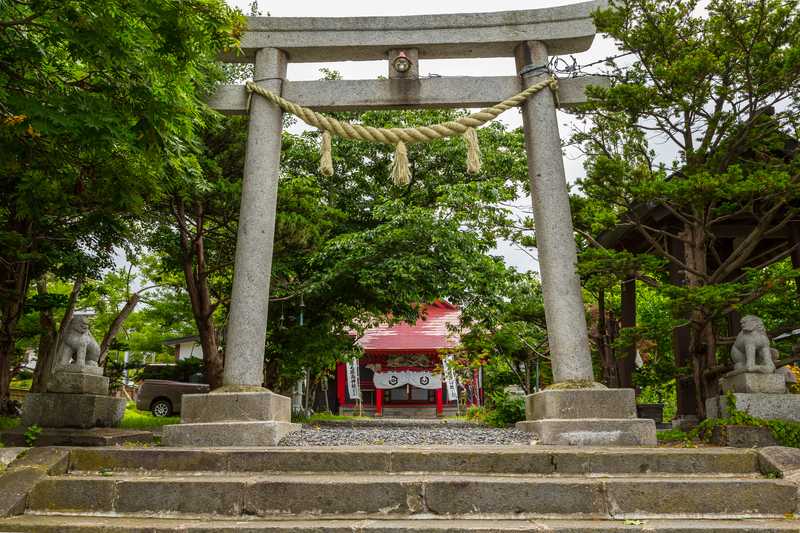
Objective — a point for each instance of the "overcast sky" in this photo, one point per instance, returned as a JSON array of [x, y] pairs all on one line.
[[601, 48]]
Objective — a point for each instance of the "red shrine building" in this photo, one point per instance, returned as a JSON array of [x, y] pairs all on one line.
[[400, 373]]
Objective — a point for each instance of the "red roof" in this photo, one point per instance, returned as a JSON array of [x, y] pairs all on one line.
[[429, 334]]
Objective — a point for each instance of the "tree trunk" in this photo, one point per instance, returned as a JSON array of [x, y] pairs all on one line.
[[604, 340], [193, 262], [14, 288], [47, 342], [212, 356], [45, 361], [702, 338], [116, 325]]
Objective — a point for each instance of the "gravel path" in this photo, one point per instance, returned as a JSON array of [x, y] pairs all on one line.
[[442, 434]]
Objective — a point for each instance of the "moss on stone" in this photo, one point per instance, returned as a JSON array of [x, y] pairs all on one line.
[[238, 388], [576, 384]]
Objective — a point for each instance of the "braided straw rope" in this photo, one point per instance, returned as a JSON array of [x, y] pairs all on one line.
[[398, 135]]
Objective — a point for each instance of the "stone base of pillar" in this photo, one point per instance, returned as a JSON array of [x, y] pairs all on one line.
[[231, 419], [228, 433], [587, 417], [57, 410]]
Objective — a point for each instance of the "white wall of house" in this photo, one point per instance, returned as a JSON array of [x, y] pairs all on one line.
[[186, 350]]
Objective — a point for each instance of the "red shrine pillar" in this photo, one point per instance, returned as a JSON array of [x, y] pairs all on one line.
[[378, 402], [439, 403], [340, 384]]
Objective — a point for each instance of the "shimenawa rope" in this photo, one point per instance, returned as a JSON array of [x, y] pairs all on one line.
[[399, 137]]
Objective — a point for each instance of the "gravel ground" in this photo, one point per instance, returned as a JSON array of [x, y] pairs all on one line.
[[406, 436]]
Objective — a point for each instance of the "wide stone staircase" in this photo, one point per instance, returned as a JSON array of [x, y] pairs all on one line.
[[487, 489]]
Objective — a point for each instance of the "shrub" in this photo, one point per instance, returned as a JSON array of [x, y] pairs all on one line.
[[504, 409]]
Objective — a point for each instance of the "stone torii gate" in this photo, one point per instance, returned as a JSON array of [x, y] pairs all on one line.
[[576, 410]]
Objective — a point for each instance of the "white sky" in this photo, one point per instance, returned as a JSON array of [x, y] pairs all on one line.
[[601, 48]]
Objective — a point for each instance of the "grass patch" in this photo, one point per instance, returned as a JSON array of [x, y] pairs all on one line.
[[136, 419], [24, 384], [8, 422], [326, 417], [672, 435]]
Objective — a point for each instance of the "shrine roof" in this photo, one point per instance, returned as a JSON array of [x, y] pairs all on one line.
[[428, 334]]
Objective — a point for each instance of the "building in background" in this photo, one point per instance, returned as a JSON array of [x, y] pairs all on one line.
[[186, 347], [400, 371]]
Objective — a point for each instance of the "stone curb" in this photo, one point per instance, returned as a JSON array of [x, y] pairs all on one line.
[[7, 456], [783, 461], [273, 495], [25, 472]]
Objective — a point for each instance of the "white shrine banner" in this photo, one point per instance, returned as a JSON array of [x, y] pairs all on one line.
[[421, 380], [450, 378], [353, 380]]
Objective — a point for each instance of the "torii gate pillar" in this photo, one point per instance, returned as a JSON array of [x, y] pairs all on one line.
[[575, 410], [242, 412]]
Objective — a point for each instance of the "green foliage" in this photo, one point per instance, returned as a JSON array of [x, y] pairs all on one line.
[[507, 334], [693, 139], [100, 102], [352, 249], [672, 435], [32, 434], [786, 432], [503, 409], [135, 419], [9, 422]]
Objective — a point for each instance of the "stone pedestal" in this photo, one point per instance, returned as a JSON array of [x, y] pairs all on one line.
[[753, 383], [58, 410], [76, 397], [760, 395], [231, 419], [78, 383], [759, 405], [587, 417]]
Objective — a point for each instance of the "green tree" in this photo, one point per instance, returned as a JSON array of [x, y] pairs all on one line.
[[507, 334], [99, 100], [718, 86], [352, 248]]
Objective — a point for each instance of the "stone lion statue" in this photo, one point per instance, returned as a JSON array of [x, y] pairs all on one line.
[[78, 347], [751, 351]]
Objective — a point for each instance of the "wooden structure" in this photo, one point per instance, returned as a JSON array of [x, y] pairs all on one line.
[[779, 243], [411, 352]]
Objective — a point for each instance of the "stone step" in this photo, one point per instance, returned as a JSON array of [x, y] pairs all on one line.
[[75, 524], [476, 459], [403, 495]]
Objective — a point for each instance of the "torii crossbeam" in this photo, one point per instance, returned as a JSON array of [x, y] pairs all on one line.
[[530, 37]]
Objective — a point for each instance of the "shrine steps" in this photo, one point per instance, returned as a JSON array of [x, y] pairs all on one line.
[[410, 490]]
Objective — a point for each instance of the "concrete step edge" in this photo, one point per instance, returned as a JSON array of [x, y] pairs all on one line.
[[345, 478], [474, 459], [74, 524], [418, 496]]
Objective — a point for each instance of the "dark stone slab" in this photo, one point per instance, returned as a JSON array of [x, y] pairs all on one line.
[[78, 437], [743, 436], [779, 460]]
